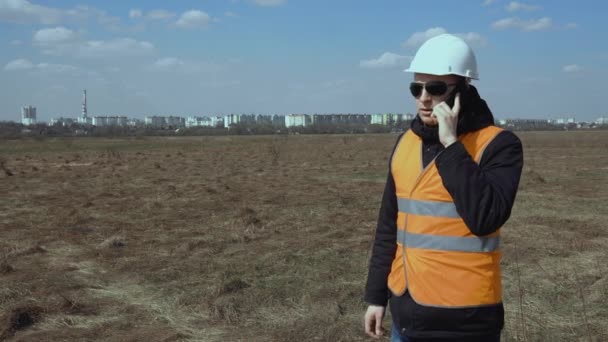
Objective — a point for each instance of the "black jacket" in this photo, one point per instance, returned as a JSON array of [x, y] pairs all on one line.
[[483, 195]]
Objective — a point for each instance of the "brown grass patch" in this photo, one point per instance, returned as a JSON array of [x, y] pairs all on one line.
[[266, 238]]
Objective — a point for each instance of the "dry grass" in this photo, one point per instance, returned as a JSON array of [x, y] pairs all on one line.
[[265, 238]]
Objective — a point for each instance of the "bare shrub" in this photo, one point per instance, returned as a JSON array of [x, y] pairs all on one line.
[[113, 242], [4, 168], [19, 318], [274, 150]]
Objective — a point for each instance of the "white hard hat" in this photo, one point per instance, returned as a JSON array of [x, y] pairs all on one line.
[[445, 54]]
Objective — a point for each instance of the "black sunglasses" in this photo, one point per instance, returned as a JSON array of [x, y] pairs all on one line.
[[434, 88]]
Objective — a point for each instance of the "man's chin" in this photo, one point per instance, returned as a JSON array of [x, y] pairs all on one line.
[[428, 120]]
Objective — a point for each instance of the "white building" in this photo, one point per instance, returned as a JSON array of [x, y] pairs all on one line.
[[28, 115], [133, 122], [205, 121], [602, 120], [85, 120], [295, 120], [562, 121], [109, 121], [390, 118], [231, 119], [61, 121]]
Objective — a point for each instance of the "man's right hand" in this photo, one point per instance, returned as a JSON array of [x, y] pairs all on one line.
[[373, 321]]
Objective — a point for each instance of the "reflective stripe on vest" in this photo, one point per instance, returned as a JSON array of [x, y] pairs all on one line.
[[427, 208], [448, 243]]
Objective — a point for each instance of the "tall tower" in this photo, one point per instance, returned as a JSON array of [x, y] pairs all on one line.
[[84, 104]]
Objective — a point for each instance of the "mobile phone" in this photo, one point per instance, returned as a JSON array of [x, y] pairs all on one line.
[[460, 88]]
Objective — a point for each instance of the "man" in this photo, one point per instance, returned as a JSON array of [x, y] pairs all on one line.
[[452, 181]]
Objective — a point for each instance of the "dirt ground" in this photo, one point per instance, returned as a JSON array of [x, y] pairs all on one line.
[[266, 238]]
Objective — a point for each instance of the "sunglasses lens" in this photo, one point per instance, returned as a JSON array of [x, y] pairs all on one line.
[[416, 89], [436, 88]]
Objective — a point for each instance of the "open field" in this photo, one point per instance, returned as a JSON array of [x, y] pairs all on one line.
[[266, 238]]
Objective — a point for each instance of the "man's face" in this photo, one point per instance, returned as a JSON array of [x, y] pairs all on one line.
[[426, 102]]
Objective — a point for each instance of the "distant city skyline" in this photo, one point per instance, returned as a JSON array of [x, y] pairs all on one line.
[[537, 59]]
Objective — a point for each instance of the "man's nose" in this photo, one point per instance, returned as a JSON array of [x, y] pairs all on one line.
[[425, 96]]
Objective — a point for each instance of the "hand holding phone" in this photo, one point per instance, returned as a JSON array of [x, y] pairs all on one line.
[[447, 120]]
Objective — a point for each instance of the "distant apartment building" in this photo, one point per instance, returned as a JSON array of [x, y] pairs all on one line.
[[85, 120], [333, 119], [175, 121], [278, 120], [165, 121], [390, 118], [101, 121], [526, 123], [602, 120], [263, 119], [134, 122], [233, 119], [562, 121], [297, 120], [61, 121], [154, 121], [204, 121], [28, 115]]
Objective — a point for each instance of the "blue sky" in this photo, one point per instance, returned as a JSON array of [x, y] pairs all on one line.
[[537, 59]]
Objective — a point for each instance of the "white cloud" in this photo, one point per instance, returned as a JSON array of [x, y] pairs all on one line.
[[18, 64], [514, 6], [488, 2], [572, 68], [386, 60], [60, 41], [56, 68], [178, 65], [268, 3], [472, 38], [418, 38], [537, 25], [168, 62], [23, 11], [86, 13], [231, 14], [159, 14], [506, 23], [115, 48], [24, 64], [524, 25], [193, 19], [57, 35], [571, 25], [135, 13]]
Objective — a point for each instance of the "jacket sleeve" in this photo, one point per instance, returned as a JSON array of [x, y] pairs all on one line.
[[483, 194], [385, 246]]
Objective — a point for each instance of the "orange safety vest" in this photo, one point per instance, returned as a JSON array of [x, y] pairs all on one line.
[[438, 259]]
